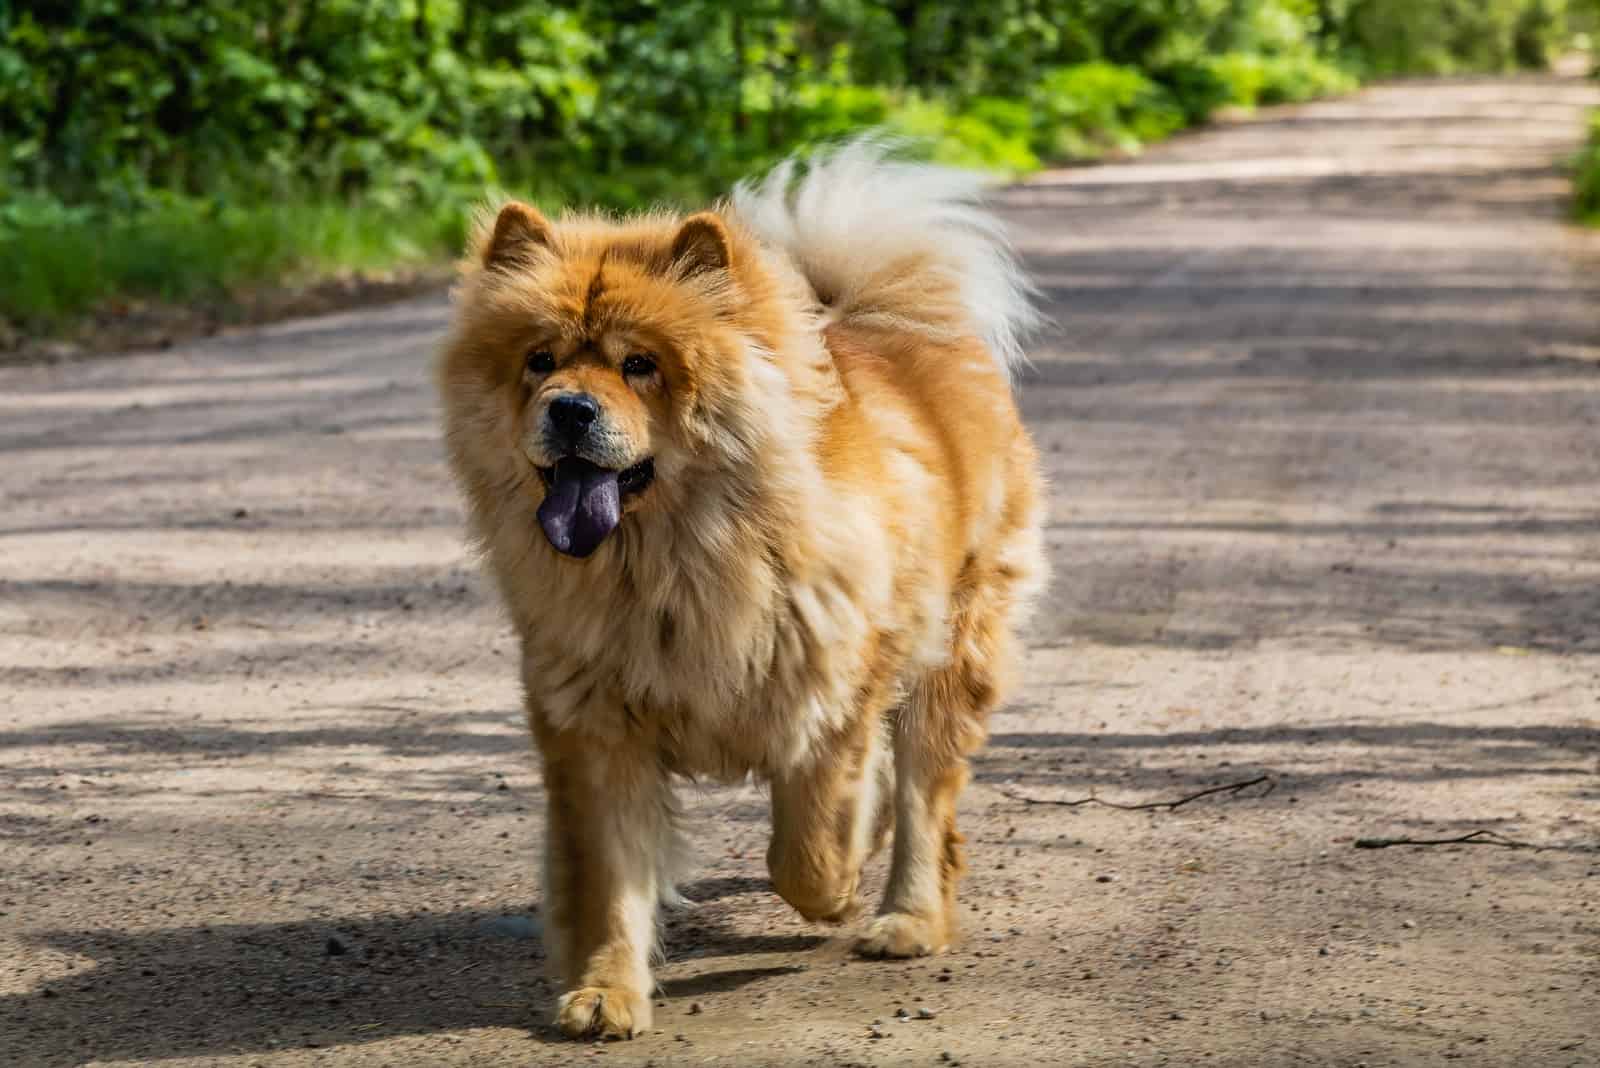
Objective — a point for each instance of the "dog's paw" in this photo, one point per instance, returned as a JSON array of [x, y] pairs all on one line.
[[602, 1012], [819, 900], [836, 908], [834, 914], [900, 934]]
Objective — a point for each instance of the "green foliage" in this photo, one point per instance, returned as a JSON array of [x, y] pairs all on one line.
[[1387, 37], [993, 134], [174, 147], [1586, 176], [1088, 109], [410, 95], [1252, 80]]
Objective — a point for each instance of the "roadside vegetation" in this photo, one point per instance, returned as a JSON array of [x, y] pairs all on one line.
[[166, 150], [1586, 175], [1585, 18]]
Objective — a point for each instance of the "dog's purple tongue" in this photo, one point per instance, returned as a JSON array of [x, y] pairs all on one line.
[[581, 506]]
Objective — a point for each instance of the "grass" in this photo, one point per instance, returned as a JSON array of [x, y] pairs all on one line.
[[60, 264]]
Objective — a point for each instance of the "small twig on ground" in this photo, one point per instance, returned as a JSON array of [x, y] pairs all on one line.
[[1483, 837], [1150, 806]]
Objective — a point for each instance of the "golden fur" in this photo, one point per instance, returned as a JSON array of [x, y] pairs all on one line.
[[820, 585]]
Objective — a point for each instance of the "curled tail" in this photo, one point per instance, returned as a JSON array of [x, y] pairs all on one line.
[[896, 244]]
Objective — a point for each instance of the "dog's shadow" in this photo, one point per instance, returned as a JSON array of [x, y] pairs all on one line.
[[215, 991]]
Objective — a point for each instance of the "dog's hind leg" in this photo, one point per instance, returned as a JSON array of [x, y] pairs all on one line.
[[828, 816], [939, 725], [918, 911]]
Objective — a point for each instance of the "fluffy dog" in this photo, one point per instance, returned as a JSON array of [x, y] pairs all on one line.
[[756, 494]]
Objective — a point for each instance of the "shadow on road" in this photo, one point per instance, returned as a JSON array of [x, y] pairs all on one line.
[[1308, 761], [230, 989]]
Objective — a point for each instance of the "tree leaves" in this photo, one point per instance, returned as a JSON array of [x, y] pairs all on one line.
[[349, 95]]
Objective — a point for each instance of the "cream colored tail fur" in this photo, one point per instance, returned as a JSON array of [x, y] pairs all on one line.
[[899, 244]]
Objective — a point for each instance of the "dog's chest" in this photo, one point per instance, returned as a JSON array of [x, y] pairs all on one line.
[[720, 690]]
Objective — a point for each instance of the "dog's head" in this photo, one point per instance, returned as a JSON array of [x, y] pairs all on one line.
[[610, 349]]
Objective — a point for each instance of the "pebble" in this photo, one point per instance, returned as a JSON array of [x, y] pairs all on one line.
[[695, 1009], [335, 946], [902, 1014], [1324, 952], [876, 1033], [1408, 924], [1176, 1016], [925, 1013], [1106, 877]]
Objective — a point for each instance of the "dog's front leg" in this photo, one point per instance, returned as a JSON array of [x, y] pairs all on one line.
[[608, 826], [829, 814]]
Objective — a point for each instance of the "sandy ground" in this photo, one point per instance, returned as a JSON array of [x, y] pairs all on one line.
[[1320, 413]]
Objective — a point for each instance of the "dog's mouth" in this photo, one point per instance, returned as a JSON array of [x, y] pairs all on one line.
[[583, 501]]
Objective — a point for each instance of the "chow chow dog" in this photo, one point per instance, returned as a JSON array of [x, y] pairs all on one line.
[[755, 492]]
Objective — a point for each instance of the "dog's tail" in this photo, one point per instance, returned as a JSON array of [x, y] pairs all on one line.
[[897, 244]]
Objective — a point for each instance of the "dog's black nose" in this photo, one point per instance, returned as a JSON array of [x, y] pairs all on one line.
[[571, 414]]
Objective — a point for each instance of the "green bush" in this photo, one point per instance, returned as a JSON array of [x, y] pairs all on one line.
[[350, 95], [962, 140], [1196, 87], [1291, 79], [1243, 78], [171, 147], [1389, 37], [1586, 175], [1083, 111], [1252, 80]]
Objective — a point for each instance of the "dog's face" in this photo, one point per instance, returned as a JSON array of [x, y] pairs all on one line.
[[598, 406], [607, 342]]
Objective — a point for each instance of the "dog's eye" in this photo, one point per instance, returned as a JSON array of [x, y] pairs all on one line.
[[541, 362], [638, 364]]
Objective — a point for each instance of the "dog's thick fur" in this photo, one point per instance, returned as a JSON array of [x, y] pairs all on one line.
[[819, 586]]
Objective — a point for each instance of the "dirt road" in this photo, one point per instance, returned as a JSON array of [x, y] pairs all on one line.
[[1322, 414]]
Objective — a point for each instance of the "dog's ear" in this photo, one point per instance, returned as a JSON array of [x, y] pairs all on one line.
[[519, 229], [702, 245]]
